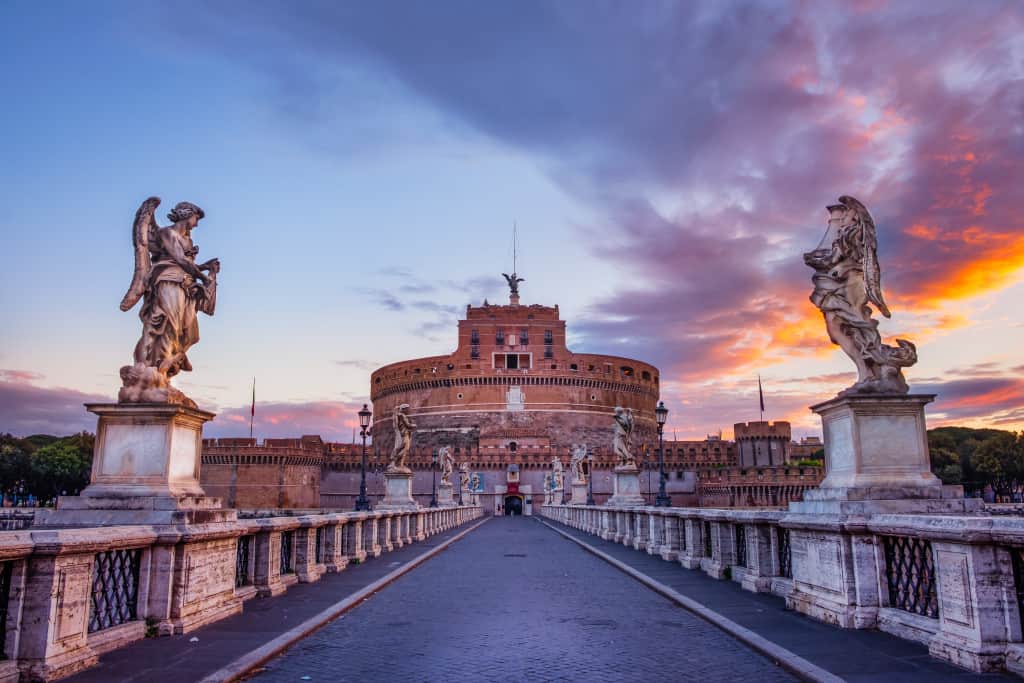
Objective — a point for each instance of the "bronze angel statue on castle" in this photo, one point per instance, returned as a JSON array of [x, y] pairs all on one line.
[[846, 280], [173, 289]]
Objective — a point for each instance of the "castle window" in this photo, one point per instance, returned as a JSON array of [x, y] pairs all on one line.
[[572, 366], [626, 371], [499, 337], [524, 337], [474, 337], [590, 368], [459, 396], [549, 337], [474, 352], [646, 376], [548, 351]]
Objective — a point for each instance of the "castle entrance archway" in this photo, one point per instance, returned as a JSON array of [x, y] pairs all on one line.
[[513, 505]]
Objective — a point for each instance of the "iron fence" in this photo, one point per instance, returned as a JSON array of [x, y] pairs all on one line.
[[243, 554], [6, 569], [1017, 555], [740, 533], [115, 588], [319, 552], [706, 529], [783, 552], [910, 571], [287, 544]]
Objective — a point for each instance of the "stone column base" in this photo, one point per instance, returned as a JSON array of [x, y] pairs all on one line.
[[579, 493], [445, 497], [398, 491], [626, 487]]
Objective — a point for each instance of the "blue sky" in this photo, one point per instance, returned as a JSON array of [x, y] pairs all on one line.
[[361, 166]]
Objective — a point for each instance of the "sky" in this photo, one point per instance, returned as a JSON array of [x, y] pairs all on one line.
[[361, 166]]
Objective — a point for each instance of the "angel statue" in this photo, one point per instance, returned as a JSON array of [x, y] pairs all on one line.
[[513, 281], [403, 439], [173, 289], [846, 280], [447, 460], [579, 456], [557, 476], [623, 436], [464, 476]]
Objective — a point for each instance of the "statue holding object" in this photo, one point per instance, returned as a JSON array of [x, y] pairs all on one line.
[[846, 280], [404, 427], [622, 440], [447, 460], [173, 289]]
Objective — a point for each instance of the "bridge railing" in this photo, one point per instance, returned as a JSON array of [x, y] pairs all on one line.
[[69, 595], [953, 583]]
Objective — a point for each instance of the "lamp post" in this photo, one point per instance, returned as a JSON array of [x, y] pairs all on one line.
[[590, 478], [433, 475], [661, 414], [362, 502]]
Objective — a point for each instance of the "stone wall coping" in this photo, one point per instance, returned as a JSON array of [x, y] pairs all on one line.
[[91, 540], [15, 545], [745, 515], [193, 533]]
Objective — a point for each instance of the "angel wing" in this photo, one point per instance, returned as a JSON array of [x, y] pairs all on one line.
[[869, 255], [143, 232]]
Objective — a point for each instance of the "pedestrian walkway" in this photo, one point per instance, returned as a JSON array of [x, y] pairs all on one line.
[[208, 650], [514, 601], [854, 655]]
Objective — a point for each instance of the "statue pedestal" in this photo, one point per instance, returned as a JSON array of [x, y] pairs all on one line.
[[557, 496], [145, 470], [445, 498], [626, 487], [579, 493], [398, 491], [876, 457]]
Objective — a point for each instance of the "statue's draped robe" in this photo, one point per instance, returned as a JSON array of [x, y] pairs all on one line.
[[170, 307]]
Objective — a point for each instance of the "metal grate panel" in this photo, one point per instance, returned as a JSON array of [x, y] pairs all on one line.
[[741, 545], [319, 552], [115, 588], [1017, 555], [287, 543], [707, 538], [6, 569], [242, 554], [785, 558], [910, 570]]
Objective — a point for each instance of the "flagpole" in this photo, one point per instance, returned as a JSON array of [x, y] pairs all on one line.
[[252, 410], [760, 396]]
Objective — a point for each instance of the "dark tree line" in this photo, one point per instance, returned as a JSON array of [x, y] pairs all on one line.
[[979, 459], [39, 468]]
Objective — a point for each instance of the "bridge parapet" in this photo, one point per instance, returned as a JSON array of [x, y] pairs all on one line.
[[952, 582], [68, 595]]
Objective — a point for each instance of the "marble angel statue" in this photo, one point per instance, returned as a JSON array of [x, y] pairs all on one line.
[[579, 456], [174, 289], [847, 283], [447, 460], [404, 427], [622, 440]]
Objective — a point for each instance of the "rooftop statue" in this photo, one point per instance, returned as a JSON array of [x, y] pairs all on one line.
[[846, 280], [173, 289], [403, 439], [513, 281], [622, 440]]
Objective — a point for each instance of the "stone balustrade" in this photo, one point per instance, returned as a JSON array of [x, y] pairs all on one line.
[[69, 595], [952, 582]]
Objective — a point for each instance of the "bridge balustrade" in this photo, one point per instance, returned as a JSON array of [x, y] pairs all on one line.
[[954, 583]]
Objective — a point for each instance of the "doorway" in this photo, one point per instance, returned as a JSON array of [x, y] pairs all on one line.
[[513, 505]]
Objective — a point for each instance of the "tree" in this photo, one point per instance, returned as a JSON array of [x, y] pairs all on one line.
[[999, 461], [61, 468], [946, 465], [14, 467]]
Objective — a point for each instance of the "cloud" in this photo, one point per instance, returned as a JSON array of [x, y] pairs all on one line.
[[707, 137], [333, 420], [27, 409]]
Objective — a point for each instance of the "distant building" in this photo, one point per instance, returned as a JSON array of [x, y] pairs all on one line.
[[762, 444]]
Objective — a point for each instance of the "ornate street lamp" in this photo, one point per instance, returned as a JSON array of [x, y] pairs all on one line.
[[590, 478], [661, 414], [362, 502], [433, 475]]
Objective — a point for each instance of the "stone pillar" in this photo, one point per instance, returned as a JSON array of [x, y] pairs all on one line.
[[760, 562], [693, 553], [385, 524], [334, 555], [626, 487], [579, 493], [354, 539], [670, 539]]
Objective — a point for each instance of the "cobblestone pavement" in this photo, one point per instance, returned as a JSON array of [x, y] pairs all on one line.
[[513, 601]]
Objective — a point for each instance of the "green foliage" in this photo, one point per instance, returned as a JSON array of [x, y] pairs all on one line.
[[810, 462], [978, 458], [44, 466]]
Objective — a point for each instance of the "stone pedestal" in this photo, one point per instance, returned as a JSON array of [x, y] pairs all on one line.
[[445, 497], [145, 470], [876, 459], [398, 491], [626, 486], [579, 493], [557, 496]]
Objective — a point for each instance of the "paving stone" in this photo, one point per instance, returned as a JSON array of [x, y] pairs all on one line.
[[514, 601]]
